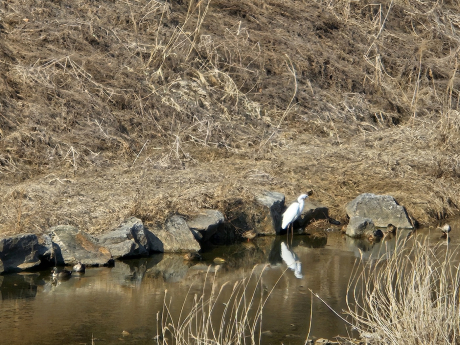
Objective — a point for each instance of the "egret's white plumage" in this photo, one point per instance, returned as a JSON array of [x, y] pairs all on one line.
[[293, 211], [291, 260]]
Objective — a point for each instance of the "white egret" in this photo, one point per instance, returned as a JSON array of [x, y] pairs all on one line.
[[291, 260], [293, 212]]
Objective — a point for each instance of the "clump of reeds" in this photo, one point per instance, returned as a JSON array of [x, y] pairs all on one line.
[[410, 297], [221, 314]]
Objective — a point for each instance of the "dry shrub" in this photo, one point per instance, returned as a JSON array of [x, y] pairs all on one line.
[[409, 297]]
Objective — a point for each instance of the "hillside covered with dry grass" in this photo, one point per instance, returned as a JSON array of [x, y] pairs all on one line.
[[115, 108]]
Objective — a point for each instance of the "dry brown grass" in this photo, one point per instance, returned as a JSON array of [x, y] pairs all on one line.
[[409, 297], [343, 97], [222, 314]]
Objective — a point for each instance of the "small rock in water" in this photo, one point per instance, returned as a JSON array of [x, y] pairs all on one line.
[[219, 260], [292, 336], [125, 333], [322, 341]]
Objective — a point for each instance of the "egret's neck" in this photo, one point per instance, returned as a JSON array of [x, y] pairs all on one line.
[[301, 204]]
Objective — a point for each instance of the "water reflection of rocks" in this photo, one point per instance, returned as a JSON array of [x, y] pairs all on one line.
[[18, 286], [172, 268], [376, 249]]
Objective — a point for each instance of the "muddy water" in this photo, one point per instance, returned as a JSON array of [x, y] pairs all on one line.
[[119, 305]]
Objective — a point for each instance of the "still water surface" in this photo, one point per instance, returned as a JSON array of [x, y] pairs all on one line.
[[119, 305]]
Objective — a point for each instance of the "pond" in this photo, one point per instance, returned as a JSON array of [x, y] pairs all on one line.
[[120, 304]]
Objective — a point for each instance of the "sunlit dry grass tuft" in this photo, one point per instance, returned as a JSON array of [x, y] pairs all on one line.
[[221, 314], [409, 297]]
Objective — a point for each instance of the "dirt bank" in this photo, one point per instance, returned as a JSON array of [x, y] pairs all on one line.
[[110, 109]]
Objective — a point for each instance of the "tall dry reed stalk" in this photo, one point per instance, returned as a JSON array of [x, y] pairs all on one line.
[[410, 297], [218, 315]]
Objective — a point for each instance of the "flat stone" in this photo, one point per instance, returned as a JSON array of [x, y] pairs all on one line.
[[28, 265], [174, 236], [206, 224], [359, 227], [127, 240], [382, 209], [73, 246], [18, 253]]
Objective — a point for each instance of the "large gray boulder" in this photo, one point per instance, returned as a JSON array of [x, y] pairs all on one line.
[[268, 211], [262, 213], [127, 240], [206, 224], [359, 227], [18, 253], [72, 245], [382, 209], [174, 236]]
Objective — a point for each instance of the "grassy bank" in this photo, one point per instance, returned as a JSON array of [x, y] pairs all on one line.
[[166, 107]]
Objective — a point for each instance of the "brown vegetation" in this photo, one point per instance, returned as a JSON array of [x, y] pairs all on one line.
[[115, 108], [408, 297], [222, 314]]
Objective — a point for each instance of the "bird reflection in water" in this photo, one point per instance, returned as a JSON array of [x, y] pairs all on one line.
[[292, 260]]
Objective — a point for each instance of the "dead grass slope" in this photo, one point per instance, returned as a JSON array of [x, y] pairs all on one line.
[[343, 97]]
